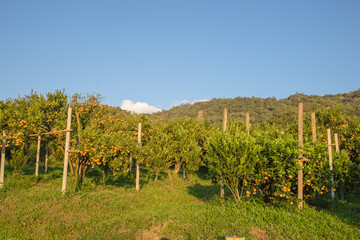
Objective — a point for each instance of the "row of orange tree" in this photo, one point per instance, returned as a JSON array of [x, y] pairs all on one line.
[[263, 164], [34, 113]]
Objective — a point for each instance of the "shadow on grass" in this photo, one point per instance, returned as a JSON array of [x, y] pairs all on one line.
[[56, 172], [124, 180], [204, 192], [348, 209]]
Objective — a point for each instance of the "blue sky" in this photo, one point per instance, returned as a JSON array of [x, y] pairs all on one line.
[[166, 52]]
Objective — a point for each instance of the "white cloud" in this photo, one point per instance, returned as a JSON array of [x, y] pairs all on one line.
[[187, 102], [139, 107], [204, 100], [178, 103]]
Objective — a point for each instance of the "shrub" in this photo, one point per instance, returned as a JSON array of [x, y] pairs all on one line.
[[18, 159]]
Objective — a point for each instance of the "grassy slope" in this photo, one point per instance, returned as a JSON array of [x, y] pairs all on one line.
[[33, 208]]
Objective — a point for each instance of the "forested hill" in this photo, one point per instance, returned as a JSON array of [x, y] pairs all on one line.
[[265, 109]]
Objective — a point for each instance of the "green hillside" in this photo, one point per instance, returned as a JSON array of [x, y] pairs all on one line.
[[265, 109]]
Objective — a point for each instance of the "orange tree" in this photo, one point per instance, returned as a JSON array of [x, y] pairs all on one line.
[[316, 171], [350, 141], [184, 151], [346, 164], [276, 169], [105, 139], [156, 153], [233, 155], [34, 113]]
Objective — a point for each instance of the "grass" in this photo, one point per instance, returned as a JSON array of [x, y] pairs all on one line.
[[34, 208]]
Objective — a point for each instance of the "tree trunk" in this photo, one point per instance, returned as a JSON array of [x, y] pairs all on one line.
[[104, 176], [169, 173], [177, 167], [83, 172], [341, 189], [70, 163], [238, 197], [156, 175]]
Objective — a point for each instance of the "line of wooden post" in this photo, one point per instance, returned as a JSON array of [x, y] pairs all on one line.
[[300, 168], [66, 155], [138, 163], [2, 167]]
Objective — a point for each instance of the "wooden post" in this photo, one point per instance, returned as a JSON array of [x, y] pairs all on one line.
[[313, 126], [201, 116], [38, 156], [341, 182], [2, 168], [138, 163], [330, 163], [222, 191], [248, 123], [336, 143], [225, 119], [46, 157], [300, 169], [67, 146], [313, 130]]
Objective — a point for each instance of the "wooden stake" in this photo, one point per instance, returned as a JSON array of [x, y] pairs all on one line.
[[336, 143], [313, 126], [222, 191], [248, 123], [331, 163], [341, 182], [225, 119], [313, 130], [138, 163], [38, 156], [46, 157], [67, 146], [300, 169], [201, 116], [2, 168], [49, 133]]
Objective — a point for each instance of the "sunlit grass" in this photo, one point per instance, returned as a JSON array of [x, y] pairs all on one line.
[[34, 208]]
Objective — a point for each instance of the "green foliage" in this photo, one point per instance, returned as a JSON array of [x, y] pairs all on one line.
[[184, 135], [263, 165], [18, 159], [316, 171], [275, 173], [233, 155], [156, 153], [279, 112]]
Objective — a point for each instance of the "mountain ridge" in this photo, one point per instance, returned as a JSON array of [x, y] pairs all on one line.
[[263, 110]]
